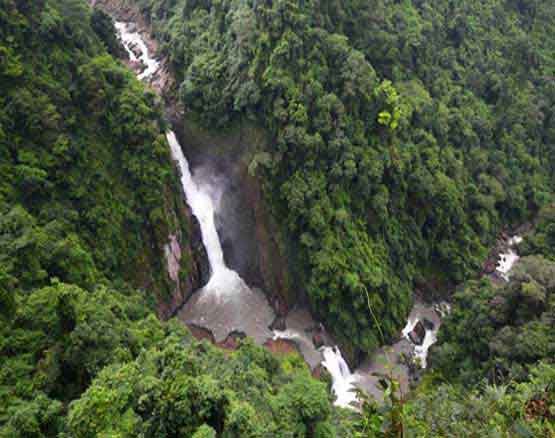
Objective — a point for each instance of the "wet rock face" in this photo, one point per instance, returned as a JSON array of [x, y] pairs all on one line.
[[250, 240], [418, 333], [281, 346], [179, 248], [279, 324], [318, 340], [428, 325]]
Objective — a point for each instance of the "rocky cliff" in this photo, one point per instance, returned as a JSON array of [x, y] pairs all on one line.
[[252, 242], [178, 251]]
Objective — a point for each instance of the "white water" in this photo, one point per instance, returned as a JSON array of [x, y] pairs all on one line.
[[509, 258], [430, 336], [343, 380], [411, 323], [134, 38], [288, 334], [226, 304], [421, 351], [202, 205]]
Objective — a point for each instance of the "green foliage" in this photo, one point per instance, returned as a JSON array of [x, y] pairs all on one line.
[[127, 374], [190, 390], [541, 240], [87, 187], [405, 133], [439, 409], [498, 332], [103, 26]]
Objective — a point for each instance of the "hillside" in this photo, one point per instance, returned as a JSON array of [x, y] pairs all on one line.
[[390, 143], [405, 134]]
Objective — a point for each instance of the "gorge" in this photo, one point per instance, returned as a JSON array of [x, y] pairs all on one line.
[[277, 219], [226, 305]]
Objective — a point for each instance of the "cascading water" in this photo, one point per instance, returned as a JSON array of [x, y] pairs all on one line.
[[508, 259], [226, 304], [132, 39], [343, 380], [202, 205], [430, 338]]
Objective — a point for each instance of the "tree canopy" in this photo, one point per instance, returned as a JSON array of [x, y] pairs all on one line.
[[404, 134]]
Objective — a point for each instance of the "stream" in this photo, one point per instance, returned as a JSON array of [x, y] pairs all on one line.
[[227, 305]]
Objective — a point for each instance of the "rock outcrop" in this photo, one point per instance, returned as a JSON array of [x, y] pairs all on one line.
[[418, 333], [260, 257]]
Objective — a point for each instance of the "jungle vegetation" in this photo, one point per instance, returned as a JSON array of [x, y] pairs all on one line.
[[405, 134]]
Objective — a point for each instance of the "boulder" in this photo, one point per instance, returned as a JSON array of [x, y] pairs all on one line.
[[232, 341], [278, 324], [281, 346], [318, 339], [137, 66], [418, 333], [136, 50], [428, 325], [489, 266]]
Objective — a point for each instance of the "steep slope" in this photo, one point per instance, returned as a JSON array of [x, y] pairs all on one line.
[[88, 192], [403, 134]]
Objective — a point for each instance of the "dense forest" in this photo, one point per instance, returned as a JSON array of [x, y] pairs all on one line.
[[85, 169], [404, 135]]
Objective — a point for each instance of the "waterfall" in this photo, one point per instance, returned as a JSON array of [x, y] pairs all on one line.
[[226, 304], [509, 258], [343, 380], [198, 198], [198, 195], [131, 39]]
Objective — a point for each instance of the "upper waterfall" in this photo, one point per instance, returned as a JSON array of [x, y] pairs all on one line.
[[131, 39]]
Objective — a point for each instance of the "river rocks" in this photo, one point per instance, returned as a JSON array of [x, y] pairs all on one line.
[[442, 309], [418, 333], [489, 266], [318, 340], [232, 341], [136, 50], [137, 66], [279, 324], [428, 325], [200, 333], [281, 346]]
